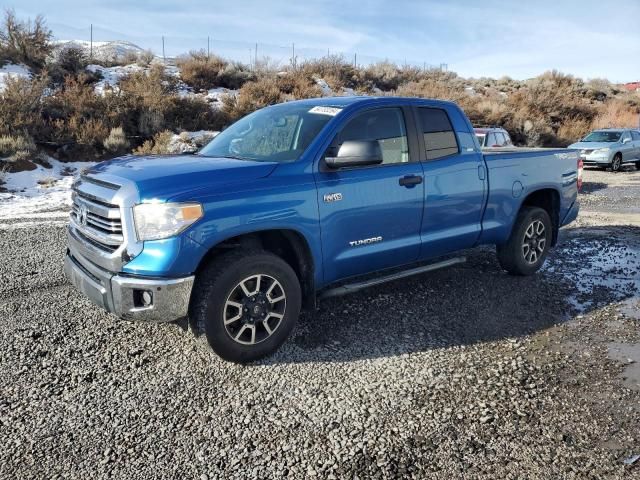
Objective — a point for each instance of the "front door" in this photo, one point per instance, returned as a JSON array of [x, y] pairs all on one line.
[[370, 216]]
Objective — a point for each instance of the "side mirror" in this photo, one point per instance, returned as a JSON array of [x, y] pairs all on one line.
[[626, 140], [356, 153]]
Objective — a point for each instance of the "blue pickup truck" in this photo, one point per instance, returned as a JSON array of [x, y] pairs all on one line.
[[305, 200]]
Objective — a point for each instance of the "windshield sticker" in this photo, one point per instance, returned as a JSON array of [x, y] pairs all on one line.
[[333, 111]]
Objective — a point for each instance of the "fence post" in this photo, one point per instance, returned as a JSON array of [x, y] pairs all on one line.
[[293, 55]]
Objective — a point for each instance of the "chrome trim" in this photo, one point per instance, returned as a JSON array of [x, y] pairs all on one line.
[[96, 208], [115, 293], [110, 197], [170, 298], [97, 235]]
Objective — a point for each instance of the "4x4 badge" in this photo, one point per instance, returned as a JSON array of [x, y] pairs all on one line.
[[332, 197]]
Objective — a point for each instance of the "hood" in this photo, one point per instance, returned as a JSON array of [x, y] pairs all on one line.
[[592, 145], [163, 176]]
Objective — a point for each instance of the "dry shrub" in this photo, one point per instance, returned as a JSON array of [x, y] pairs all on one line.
[[616, 113], [572, 130], [204, 72], [188, 113], [200, 72], [388, 76], [16, 147], [21, 106], [252, 96], [145, 58], [24, 42], [296, 85], [334, 66], [116, 142], [144, 99], [160, 144]]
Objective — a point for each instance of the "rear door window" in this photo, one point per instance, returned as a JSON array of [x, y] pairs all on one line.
[[635, 135], [502, 139], [439, 138]]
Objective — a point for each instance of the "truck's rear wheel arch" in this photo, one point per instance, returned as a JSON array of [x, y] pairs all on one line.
[[289, 245], [548, 199]]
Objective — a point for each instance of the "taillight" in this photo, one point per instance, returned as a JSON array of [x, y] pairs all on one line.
[[580, 169]]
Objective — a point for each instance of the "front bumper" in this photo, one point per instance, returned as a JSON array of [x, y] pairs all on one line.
[[598, 159], [125, 296]]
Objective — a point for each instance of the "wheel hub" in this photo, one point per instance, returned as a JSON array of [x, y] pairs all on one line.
[[254, 309], [534, 242]]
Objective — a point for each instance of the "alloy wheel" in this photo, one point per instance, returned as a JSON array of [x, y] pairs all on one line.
[[254, 309], [534, 242]]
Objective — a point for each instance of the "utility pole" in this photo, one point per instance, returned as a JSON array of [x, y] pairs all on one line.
[[256, 55], [355, 60], [293, 55], [91, 45], [164, 57], [208, 49]]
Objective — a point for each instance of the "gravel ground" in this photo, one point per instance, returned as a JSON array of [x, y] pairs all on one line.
[[465, 372]]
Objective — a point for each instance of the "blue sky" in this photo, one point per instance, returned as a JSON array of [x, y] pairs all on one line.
[[493, 38]]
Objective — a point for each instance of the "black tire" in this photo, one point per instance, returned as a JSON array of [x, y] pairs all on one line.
[[513, 256], [219, 283], [637, 165], [616, 163]]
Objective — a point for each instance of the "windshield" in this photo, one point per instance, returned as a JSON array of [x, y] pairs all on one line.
[[275, 134], [603, 137], [481, 137]]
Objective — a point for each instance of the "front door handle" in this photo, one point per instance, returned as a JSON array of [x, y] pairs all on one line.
[[410, 181]]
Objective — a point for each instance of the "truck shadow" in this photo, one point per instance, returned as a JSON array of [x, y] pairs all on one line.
[[471, 303]]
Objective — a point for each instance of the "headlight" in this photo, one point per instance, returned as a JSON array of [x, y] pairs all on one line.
[[601, 150], [162, 220]]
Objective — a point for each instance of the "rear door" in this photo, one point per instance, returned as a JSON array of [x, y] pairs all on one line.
[[454, 181], [627, 148], [635, 140], [370, 216]]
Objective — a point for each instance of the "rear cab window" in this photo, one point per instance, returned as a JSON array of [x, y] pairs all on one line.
[[437, 131]]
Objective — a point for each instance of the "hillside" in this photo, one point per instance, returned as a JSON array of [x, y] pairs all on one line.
[[55, 100]]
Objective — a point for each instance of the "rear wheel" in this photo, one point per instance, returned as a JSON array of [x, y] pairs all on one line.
[[638, 165], [529, 243], [616, 163], [247, 303]]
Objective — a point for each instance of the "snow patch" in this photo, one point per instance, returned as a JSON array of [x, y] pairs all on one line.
[[111, 76], [43, 193], [594, 264], [13, 71], [188, 142]]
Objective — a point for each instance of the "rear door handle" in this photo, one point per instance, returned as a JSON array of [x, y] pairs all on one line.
[[410, 181]]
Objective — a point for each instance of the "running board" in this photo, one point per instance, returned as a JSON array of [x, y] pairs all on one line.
[[355, 287]]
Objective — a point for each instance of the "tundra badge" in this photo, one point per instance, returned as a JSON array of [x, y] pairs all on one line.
[[365, 241]]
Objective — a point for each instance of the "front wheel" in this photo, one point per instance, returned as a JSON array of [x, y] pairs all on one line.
[[616, 163], [247, 303], [529, 243]]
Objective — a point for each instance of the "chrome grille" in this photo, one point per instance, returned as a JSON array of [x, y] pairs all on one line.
[[97, 220]]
